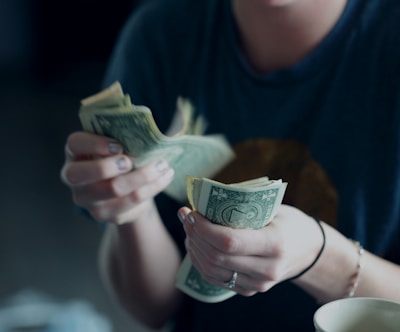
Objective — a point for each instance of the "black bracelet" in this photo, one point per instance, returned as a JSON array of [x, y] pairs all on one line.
[[319, 254]]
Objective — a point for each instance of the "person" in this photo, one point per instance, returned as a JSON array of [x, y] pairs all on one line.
[[304, 90]]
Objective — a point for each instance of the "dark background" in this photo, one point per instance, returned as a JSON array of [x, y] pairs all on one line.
[[52, 54]]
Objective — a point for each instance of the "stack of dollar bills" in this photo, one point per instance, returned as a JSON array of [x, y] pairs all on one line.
[[111, 113], [249, 204]]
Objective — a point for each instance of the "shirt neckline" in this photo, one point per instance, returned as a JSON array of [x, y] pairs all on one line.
[[322, 56]]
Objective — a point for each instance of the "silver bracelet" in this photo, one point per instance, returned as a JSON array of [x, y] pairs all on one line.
[[355, 279]]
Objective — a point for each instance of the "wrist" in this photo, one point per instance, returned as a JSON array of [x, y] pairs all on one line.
[[319, 254], [332, 275]]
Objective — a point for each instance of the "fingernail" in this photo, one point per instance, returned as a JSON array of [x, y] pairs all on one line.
[[161, 166], [114, 148], [121, 163], [181, 216], [191, 219]]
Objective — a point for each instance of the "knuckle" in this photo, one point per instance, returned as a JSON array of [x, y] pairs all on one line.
[[230, 243], [262, 287], [142, 194], [69, 175], [143, 174], [216, 257], [277, 248], [117, 187], [138, 195], [132, 184]]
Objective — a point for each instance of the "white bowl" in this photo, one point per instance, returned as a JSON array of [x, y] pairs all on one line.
[[358, 314]]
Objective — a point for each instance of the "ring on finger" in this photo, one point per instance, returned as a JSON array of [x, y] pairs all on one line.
[[231, 283]]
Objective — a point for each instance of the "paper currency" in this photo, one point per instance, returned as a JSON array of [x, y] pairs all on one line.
[[111, 113], [248, 204]]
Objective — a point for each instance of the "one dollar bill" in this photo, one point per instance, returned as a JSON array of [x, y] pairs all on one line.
[[250, 204]]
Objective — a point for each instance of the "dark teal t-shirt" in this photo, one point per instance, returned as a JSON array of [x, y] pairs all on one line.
[[329, 126]]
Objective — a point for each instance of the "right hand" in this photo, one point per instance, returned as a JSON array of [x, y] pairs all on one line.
[[101, 181]]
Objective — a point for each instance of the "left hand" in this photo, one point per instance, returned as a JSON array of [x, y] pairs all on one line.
[[262, 258]]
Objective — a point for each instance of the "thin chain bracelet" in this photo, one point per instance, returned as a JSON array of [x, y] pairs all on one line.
[[355, 280]]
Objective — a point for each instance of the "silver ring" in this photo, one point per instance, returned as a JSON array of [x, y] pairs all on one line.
[[231, 283]]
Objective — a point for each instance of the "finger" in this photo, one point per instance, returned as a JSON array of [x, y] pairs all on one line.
[[145, 179], [132, 184], [214, 263], [125, 209], [248, 283], [205, 264], [80, 173], [242, 242], [245, 285], [118, 211], [79, 145]]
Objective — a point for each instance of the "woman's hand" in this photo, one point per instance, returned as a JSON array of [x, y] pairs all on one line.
[[262, 258], [100, 178]]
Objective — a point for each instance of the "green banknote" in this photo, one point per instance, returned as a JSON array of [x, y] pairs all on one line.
[[249, 204], [111, 113]]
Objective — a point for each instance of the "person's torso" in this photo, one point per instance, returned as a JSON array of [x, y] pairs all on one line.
[[328, 125]]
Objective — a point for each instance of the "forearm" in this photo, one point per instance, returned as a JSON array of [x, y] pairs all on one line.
[[139, 262], [333, 274]]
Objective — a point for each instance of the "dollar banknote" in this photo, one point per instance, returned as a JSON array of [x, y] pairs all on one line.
[[111, 113], [249, 204]]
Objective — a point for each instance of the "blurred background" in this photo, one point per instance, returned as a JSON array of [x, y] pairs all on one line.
[[52, 54]]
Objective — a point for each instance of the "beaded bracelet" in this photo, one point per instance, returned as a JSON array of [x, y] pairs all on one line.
[[355, 279], [319, 254]]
